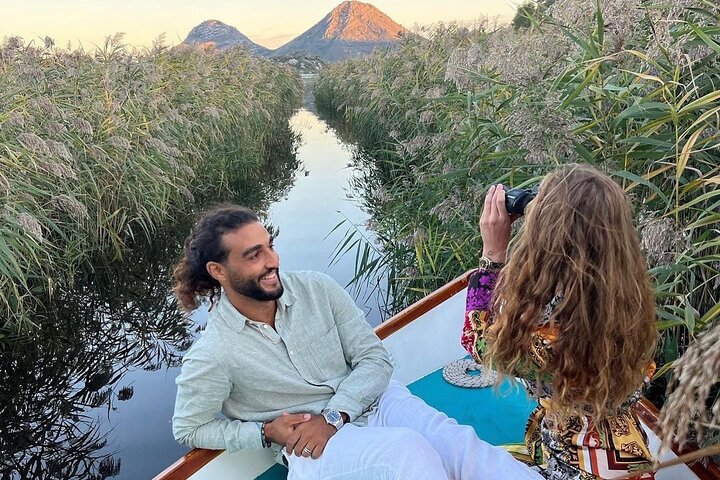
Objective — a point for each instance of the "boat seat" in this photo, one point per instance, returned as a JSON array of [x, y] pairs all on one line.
[[276, 472], [498, 416]]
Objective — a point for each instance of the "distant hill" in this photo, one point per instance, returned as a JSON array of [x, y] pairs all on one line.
[[214, 33], [352, 28]]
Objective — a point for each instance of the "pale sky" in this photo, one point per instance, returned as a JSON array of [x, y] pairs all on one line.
[[269, 23]]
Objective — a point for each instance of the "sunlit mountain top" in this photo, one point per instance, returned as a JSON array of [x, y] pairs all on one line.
[[350, 29]]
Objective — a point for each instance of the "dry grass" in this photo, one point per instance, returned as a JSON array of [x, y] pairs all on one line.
[[631, 87], [96, 148], [692, 409]]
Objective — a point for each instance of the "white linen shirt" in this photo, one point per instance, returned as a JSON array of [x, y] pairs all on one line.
[[323, 354]]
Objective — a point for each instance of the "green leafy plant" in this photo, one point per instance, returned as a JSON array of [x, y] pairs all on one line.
[[98, 148], [630, 86]]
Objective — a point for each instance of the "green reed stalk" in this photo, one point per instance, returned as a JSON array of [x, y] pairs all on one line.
[[631, 88], [98, 148]]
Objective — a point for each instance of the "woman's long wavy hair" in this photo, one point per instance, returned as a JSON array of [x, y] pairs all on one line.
[[579, 240], [192, 282]]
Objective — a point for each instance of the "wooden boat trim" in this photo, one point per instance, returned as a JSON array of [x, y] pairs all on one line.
[[199, 457], [189, 464], [422, 306], [649, 414]]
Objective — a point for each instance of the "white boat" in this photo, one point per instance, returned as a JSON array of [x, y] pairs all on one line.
[[422, 339]]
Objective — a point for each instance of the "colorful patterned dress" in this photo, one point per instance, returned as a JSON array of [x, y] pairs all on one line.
[[575, 448]]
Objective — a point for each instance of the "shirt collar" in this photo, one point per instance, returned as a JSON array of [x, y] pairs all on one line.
[[228, 314], [287, 297]]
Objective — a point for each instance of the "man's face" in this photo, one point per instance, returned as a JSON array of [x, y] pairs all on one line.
[[252, 265]]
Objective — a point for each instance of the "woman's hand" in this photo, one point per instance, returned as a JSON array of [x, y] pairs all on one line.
[[495, 224]]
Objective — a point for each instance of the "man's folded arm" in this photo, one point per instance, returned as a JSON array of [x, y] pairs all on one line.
[[364, 353], [203, 386]]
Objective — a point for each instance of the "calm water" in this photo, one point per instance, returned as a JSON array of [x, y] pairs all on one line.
[[316, 204], [117, 400]]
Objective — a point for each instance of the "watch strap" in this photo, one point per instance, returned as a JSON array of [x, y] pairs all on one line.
[[487, 264]]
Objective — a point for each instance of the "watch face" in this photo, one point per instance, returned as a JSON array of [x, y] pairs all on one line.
[[334, 418]]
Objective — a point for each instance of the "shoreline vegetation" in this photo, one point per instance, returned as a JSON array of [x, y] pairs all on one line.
[[106, 156], [630, 86], [82, 365], [99, 149]]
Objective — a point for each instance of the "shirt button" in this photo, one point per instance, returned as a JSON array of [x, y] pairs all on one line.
[[291, 352], [265, 326]]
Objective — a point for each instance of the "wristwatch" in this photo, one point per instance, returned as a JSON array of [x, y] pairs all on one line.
[[487, 264], [333, 417]]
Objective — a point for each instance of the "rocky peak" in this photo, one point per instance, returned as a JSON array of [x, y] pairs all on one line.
[[352, 28], [221, 36], [357, 21]]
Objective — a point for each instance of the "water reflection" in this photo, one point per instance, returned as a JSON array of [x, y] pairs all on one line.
[[92, 397], [116, 320], [117, 327], [317, 203], [373, 171]]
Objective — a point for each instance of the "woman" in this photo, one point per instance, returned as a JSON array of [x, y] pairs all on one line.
[[571, 313]]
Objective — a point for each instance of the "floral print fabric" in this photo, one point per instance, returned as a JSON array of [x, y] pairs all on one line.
[[574, 448]]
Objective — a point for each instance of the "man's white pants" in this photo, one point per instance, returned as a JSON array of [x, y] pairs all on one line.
[[406, 439]]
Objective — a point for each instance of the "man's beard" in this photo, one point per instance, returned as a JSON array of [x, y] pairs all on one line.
[[251, 287]]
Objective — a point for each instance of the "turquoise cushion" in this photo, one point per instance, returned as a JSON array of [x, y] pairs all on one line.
[[276, 472], [498, 415]]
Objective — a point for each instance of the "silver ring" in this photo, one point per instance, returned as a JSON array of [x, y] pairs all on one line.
[[306, 451]]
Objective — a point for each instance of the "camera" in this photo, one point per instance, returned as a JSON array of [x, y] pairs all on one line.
[[517, 199]]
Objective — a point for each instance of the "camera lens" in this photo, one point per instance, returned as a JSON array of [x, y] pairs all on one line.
[[522, 202], [517, 199]]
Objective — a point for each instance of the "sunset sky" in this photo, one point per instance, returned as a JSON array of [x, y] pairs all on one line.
[[269, 23]]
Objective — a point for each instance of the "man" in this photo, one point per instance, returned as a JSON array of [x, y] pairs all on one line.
[[292, 364]]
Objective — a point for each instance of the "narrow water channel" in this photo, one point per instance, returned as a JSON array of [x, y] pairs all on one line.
[[124, 423], [312, 208], [316, 204]]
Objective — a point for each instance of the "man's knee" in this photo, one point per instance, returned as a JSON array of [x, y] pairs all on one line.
[[405, 446]]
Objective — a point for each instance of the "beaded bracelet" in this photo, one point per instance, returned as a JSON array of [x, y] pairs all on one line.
[[263, 439]]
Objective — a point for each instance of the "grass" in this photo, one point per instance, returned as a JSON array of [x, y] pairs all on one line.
[[62, 380], [97, 148], [632, 87]]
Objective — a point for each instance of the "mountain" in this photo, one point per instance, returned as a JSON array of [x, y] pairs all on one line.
[[352, 28], [214, 33]]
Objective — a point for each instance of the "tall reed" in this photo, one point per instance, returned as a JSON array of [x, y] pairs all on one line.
[[97, 148], [630, 86]]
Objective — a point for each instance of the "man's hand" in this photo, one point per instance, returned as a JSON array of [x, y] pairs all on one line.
[[282, 427], [310, 437]]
